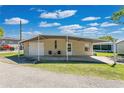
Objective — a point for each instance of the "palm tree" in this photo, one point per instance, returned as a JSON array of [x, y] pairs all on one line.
[[116, 17], [107, 38]]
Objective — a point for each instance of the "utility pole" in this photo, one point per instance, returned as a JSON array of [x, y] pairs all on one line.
[[20, 34], [20, 30], [20, 45]]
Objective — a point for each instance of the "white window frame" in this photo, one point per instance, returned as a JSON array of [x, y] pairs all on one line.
[[69, 53]]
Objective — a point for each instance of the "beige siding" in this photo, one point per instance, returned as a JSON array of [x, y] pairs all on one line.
[[78, 47], [33, 48], [49, 46], [26, 48], [120, 48]]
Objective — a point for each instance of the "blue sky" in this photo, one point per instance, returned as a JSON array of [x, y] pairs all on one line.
[[84, 21]]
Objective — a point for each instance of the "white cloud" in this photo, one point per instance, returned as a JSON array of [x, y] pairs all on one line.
[[71, 29], [107, 24], [78, 30], [122, 29], [116, 32], [69, 32], [45, 24], [91, 18], [30, 34], [59, 14], [37, 9], [32, 8], [93, 24], [15, 21], [107, 17], [40, 10], [91, 29]]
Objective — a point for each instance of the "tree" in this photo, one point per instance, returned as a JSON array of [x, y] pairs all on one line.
[[107, 38], [1, 32], [117, 16]]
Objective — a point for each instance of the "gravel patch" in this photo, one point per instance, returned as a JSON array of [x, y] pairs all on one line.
[[17, 76]]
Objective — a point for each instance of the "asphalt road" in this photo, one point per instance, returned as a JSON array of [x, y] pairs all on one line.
[[17, 76]]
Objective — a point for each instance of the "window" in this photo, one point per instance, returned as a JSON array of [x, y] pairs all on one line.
[[96, 47], [69, 47], [106, 47], [86, 49], [50, 52], [59, 52], [55, 44]]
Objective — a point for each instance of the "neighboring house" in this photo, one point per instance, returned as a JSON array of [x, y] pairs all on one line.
[[103, 47], [9, 41], [49, 45], [120, 47]]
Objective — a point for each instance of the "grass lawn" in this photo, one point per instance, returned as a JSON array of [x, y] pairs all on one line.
[[9, 54], [104, 54], [88, 69], [100, 70]]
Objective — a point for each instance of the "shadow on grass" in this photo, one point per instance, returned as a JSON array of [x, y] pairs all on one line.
[[69, 62], [72, 62]]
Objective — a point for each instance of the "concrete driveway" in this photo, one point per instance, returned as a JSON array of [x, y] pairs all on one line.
[[93, 59], [17, 76]]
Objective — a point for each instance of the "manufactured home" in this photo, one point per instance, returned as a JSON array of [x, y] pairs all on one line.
[[56, 46], [120, 47], [103, 47]]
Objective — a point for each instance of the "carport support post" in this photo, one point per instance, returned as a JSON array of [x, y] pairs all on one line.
[[67, 48], [38, 58], [19, 51], [114, 53], [114, 47]]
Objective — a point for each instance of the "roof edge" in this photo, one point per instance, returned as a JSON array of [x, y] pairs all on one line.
[[74, 37]]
